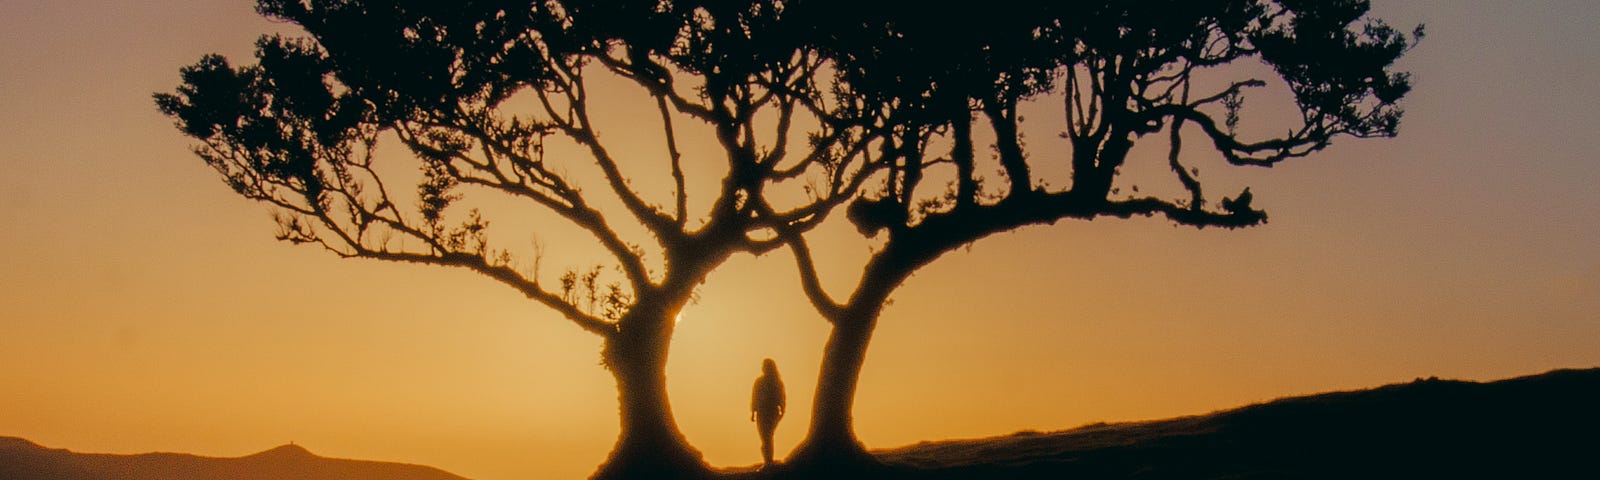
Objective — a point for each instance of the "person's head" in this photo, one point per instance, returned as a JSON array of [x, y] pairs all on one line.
[[769, 367]]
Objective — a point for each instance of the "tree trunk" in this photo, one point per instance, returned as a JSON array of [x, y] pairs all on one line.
[[831, 444], [649, 445]]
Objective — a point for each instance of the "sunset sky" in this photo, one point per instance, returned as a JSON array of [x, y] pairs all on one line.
[[145, 307]]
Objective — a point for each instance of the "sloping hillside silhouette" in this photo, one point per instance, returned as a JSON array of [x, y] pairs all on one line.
[[1541, 426], [24, 460]]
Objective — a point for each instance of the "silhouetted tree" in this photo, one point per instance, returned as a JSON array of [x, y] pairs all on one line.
[[1126, 70], [474, 91]]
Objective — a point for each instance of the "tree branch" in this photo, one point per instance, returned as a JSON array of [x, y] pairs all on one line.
[[680, 194], [505, 275], [810, 282]]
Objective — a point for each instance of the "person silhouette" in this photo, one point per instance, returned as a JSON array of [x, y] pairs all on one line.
[[766, 406]]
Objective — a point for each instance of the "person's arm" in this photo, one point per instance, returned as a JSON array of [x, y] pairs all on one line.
[[755, 396], [783, 402]]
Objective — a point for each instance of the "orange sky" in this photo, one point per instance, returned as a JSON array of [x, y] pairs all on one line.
[[146, 308]]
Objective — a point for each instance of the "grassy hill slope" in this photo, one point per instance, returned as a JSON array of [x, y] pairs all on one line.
[[1542, 426]]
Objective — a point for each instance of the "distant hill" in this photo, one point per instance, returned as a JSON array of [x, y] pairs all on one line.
[[24, 460], [1538, 427]]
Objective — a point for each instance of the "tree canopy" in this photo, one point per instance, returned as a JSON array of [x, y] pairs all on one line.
[[876, 107], [478, 94], [1124, 72]]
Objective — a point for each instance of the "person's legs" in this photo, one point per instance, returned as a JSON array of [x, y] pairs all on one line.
[[766, 425]]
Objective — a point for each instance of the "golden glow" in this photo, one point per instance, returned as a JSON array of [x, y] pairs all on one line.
[[144, 307]]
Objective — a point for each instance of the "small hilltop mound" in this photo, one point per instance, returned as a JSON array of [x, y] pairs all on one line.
[[286, 451]]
